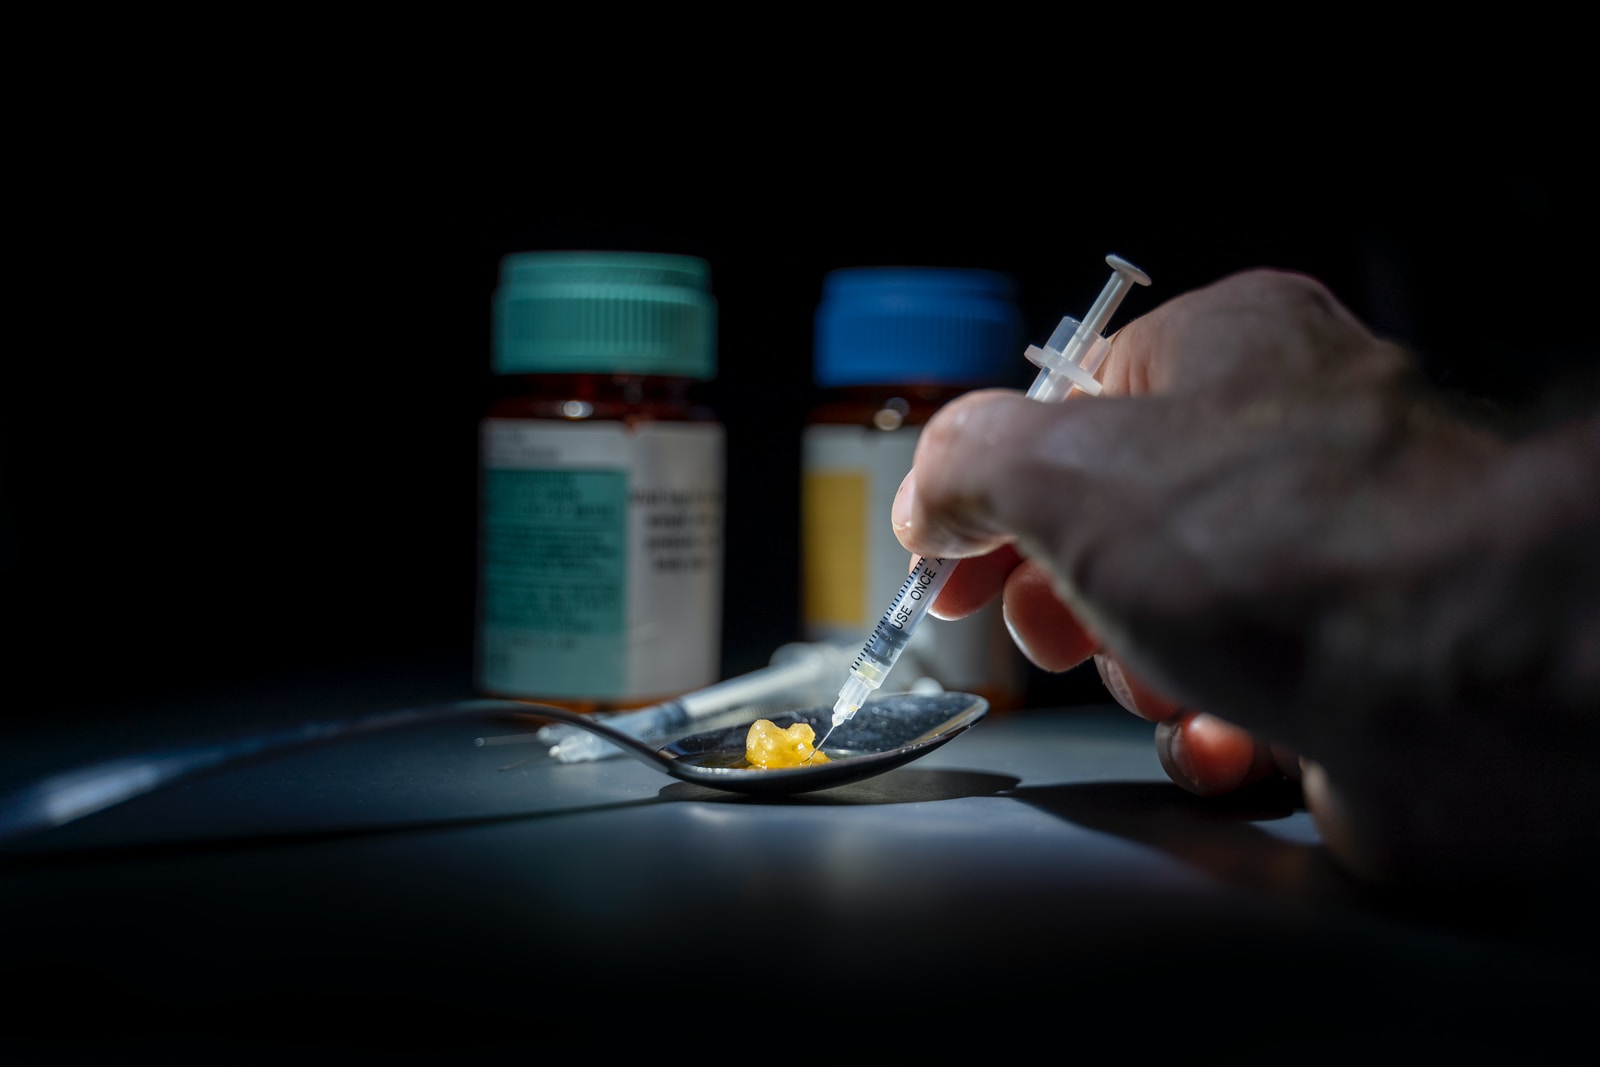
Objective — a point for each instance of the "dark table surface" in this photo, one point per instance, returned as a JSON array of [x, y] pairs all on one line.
[[411, 894]]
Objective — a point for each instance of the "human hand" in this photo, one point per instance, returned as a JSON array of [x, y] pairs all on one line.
[[1263, 529]]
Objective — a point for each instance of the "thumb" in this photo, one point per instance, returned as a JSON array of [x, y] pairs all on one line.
[[936, 533], [992, 467]]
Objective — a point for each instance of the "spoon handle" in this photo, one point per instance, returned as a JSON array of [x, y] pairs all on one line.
[[70, 795]]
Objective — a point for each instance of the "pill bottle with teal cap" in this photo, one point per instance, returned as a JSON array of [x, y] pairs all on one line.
[[891, 346], [601, 483]]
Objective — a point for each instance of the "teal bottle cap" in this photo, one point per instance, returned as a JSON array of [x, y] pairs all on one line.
[[605, 313]]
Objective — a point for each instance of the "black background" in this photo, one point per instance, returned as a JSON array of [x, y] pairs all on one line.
[[241, 410], [248, 340]]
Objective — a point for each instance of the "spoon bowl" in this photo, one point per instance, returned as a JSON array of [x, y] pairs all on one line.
[[890, 731]]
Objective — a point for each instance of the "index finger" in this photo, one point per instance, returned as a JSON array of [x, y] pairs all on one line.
[[1243, 329]]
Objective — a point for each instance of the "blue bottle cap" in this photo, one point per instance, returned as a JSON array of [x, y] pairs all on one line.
[[923, 325]]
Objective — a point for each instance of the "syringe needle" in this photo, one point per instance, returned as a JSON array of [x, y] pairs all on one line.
[[818, 747]]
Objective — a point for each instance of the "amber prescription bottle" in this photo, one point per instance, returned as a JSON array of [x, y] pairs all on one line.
[[891, 346], [601, 483]]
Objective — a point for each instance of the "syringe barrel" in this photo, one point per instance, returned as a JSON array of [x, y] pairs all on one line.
[[894, 629], [652, 721], [795, 669], [573, 745]]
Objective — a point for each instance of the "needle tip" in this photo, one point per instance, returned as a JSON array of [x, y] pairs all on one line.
[[818, 747]]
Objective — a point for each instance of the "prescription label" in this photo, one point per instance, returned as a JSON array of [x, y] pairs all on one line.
[[600, 559], [833, 517], [854, 565]]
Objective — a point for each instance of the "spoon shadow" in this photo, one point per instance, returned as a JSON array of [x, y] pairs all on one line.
[[908, 785]]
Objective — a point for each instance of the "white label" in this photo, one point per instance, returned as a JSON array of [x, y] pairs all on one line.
[[601, 559]]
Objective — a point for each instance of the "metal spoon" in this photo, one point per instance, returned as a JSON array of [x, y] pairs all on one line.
[[891, 731]]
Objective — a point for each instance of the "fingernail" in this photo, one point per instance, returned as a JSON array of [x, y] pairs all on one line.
[[1111, 675], [1005, 613], [905, 499], [1178, 762]]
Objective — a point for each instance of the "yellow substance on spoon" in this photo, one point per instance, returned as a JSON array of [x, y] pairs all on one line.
[[769, 747]]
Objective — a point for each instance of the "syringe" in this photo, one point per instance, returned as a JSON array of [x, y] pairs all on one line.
[[794, 674], [1065, 364]]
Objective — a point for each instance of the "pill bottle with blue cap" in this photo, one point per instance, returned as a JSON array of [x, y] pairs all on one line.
[[892, 345], [601, 483]]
